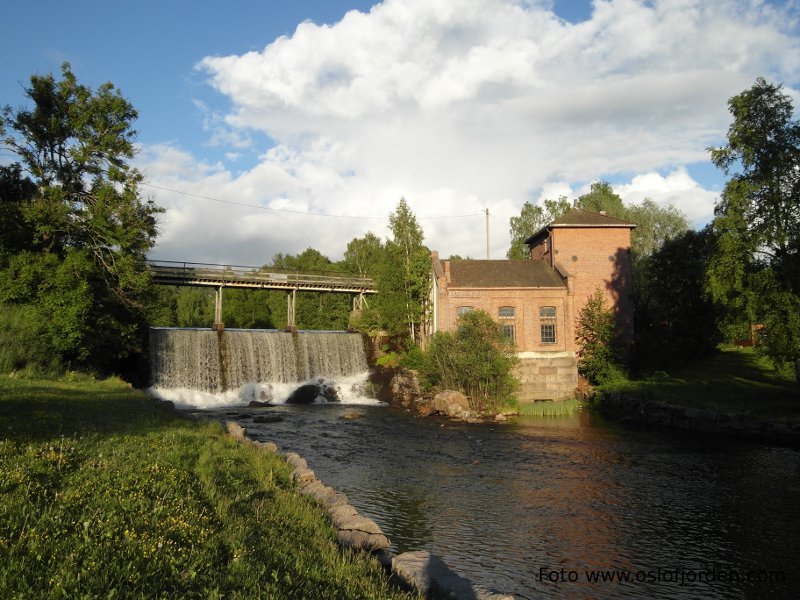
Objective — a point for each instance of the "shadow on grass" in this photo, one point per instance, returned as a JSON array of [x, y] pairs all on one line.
[[39, 411]]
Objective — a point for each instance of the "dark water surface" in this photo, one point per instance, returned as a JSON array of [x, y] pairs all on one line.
[[516, 505]]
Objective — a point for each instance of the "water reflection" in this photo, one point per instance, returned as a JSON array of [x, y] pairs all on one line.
[[508, 503]]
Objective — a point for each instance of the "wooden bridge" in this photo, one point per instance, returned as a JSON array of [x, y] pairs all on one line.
[[166, 272]]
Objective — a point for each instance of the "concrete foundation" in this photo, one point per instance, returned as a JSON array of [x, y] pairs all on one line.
[[546, 378]]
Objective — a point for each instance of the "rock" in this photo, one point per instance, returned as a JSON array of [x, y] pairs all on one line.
[[501, 417], [350, 416], [404, 388], [339, 513], [258, 404], [266, 446], [295, 460], [358, 540], [361, 533], [267, 419], [424, 410], [451, 403], [235, 430], [305, 394], [308, 393], [304, 475]]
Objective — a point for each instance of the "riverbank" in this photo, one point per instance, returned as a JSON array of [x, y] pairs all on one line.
[[104, 492], [735, 392]]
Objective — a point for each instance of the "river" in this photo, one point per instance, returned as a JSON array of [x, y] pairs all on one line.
[[537, 507]]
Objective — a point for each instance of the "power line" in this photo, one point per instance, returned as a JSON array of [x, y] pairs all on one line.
[[297, 212]]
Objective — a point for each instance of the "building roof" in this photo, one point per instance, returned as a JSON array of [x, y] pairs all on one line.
[[582, 218], [503, 274]]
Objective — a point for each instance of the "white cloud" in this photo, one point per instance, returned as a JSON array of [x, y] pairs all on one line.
[[459, 105], [676, 188]]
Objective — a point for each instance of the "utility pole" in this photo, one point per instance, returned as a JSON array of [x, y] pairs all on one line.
[[487, 234]]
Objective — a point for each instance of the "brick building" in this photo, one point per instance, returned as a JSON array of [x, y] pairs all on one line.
[[537, 301]]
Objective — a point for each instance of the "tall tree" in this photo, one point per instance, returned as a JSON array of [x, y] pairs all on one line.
[[530, 220], [601, 197], [406, 250], [755, 270], [83, 267], [363, 255]]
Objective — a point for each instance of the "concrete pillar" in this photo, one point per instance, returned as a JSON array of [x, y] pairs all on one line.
[[218, 325], [291, 299]]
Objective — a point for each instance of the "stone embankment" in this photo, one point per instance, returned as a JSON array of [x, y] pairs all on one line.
[[628, 408], [403, 390], [419, 571]]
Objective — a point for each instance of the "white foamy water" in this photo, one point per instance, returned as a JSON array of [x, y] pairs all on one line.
[[353, 389]]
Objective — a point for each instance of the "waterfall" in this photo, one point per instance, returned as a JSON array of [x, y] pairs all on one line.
[[240, 364]]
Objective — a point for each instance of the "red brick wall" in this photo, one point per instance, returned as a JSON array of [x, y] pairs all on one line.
[[598, 257], [526, 321]]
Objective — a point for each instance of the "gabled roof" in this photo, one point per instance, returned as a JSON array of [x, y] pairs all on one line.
[[503, 273], [582, 218]]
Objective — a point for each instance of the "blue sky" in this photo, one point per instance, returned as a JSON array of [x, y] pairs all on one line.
[[457, 105]]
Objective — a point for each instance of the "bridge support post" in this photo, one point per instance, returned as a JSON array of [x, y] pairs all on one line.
[[291, 301], [218, 325]]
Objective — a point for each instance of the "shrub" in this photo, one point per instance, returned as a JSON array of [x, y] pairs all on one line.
[[597, 360], [475, 360]]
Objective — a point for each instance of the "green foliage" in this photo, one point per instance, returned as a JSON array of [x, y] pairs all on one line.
[[76, 256], [676, 321], [363, 255], [732, 380], [754, 275], [106, 494], [532, 219], [595, 333], [475, 360], [23, 347], [601, 196]]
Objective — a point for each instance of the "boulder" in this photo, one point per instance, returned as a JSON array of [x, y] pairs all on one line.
[[451, 403], [305, 394], [361, 533], [404, 388], [308, 393], [267, 419], [258, 404]]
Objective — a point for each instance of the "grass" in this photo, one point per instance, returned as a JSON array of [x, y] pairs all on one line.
[[549, 409], [106, 493], [735, 380]]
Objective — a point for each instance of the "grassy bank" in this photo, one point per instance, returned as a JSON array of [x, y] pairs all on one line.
[[735, 380], [104, 493]]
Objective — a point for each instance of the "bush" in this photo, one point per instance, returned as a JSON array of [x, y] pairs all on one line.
[[475, 360], [597, 359], [23, 344]]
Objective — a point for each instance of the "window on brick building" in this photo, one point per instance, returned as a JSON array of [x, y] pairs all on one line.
[[508, 333], [507, 312], [547, 318], [462, 310]]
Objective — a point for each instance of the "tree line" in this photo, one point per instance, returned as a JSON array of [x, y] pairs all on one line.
[[75, 231]]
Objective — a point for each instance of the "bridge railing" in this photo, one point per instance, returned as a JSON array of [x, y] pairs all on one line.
[[188, 271]]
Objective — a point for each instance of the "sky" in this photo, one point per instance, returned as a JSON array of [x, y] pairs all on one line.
[[273, 126]]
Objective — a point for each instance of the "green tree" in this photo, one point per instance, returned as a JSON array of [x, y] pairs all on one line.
[[363, 255], [530, 220], [313, 310], [82, 268], [755, 271], [475, 359], [601, 197], [403, 276], [596, 333], [676, 322]]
